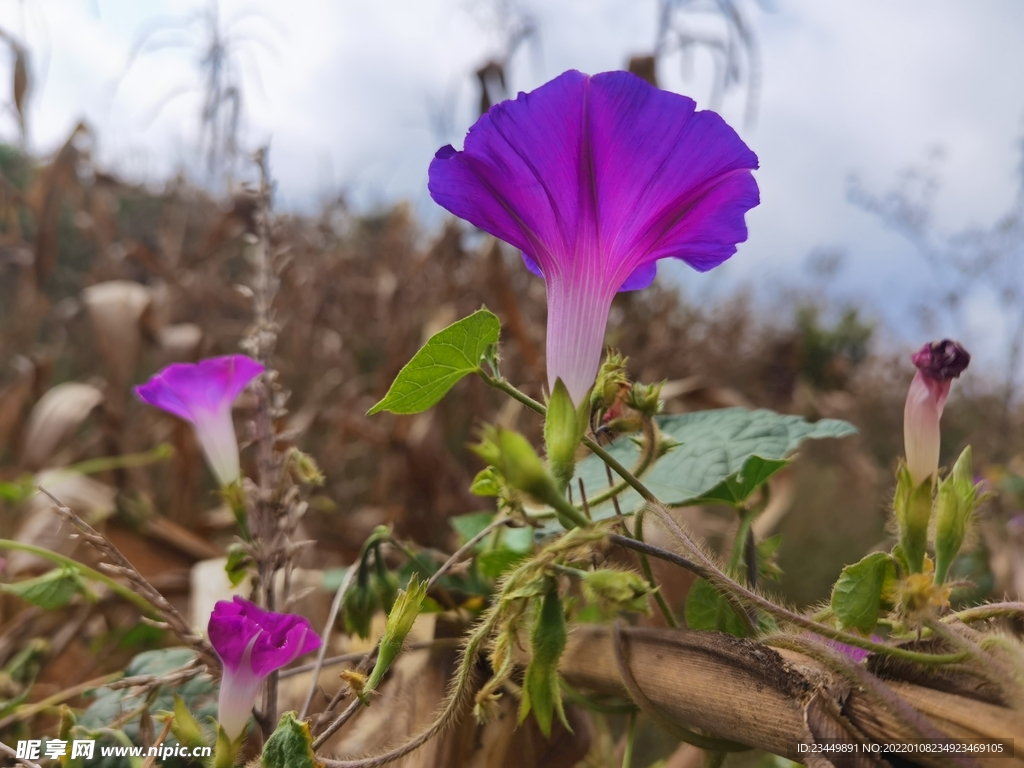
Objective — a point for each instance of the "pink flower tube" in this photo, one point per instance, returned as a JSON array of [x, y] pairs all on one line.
[[595, 179], [252, 643], [938, 363], [203, 394]]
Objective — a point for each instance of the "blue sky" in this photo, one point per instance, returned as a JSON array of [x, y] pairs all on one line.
[[346, 97]]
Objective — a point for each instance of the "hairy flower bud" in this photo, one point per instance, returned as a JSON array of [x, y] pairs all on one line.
[[938, 363]]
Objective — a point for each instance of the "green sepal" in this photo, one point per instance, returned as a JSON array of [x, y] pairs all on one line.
[[225, 751], [541, 692], [955, 505], [185, 727], [447, 357], [290, 745], [863, 589], [912, 506], [563, 431]]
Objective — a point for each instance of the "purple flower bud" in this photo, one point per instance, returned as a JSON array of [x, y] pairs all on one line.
[[252, 643], [938, 363], [203, 394]]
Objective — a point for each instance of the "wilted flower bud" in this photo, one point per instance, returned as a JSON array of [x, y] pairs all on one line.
[[938, 363]]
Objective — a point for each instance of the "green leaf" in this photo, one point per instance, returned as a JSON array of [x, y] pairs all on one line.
[[858, 595], [237, 566], [470, 525], [495, 563], [225, 751], [518, 539], [199, 695], [706, 609], [713, 446], [332, 579], [737, 488], [446, 358], [541, 692], [54, 589], [290, 745]]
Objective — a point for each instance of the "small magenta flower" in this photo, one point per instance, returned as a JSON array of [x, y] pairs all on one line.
[[203, 394], [595, 179], [252, 643], [938, 363]]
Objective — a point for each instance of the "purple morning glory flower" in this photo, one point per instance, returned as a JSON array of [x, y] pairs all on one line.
[[252, 643], [203, 394], [938, 363], [595, 179]]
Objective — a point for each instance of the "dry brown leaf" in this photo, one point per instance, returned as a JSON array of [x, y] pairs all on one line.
[[58, 413]]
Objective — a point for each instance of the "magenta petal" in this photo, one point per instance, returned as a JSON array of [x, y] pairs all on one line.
[[187, 389], [641, 277], [280, 637], [595, 179], [203, 394]]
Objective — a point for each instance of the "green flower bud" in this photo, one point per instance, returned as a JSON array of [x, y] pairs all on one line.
[[957, 500], [645, 398], [385, 586], [620, 590], [912, 506], [400, 620], [611, 378], [486, 483], [305, 468], [513, 456], [360, 605]]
